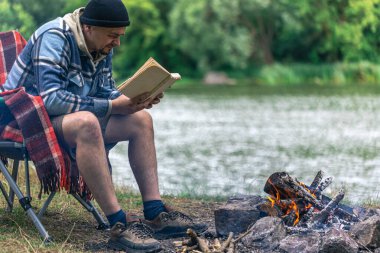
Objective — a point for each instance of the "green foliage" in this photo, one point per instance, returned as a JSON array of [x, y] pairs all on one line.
[[330, 31], [72, 5], [195, 36], [208, 32], [14, 17], [42, 10], [362, 73], [141, 37]]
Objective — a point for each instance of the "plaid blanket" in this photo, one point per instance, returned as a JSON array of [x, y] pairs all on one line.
[[26, 119], [11, 45], [27, 113]]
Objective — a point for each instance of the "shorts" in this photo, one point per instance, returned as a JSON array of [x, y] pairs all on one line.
[[57, 126]]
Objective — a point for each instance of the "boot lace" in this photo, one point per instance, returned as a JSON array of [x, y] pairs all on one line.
[[141, 230], [181, 216]]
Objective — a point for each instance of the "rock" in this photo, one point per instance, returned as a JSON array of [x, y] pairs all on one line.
[[365, 213], [217, 78], [305, 242], [266, 234], [367, 232], [338, 241], [237, 214]]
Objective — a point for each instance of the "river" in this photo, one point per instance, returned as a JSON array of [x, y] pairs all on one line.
[[230, 143]]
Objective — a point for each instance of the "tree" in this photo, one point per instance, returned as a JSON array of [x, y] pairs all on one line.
[[331, 31], [42, 10], [14, 17], [209, 33], [141, 37]]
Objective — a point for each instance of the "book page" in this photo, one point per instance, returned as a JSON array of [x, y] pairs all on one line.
[[150, 78]]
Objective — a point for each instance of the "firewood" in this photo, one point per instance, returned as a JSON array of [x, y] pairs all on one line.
[[188, 242], [343, 214], [307, 216], [217, 246], [322, 186], [320, 217], [231, 248], [227, 242], [281, 185], [290, 218], [201, 243], [192, 248], [318, 178], [241, 236]]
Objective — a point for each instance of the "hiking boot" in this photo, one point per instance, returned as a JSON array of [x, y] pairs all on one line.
[[173, 224], [136, 237]]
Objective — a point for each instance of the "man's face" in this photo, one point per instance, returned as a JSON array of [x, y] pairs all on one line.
[[102, 39]]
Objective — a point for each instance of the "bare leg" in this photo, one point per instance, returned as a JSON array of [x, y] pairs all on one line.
[[82, 130], [138, 129]]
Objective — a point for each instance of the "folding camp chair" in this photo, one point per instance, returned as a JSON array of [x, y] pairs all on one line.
[[17, 151]]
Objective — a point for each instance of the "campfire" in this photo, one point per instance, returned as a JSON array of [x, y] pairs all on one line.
[[294, 217], [305, 206]]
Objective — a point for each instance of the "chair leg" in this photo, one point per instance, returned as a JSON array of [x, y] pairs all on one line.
[[46, 204], [5, 194], [25, 203], [11, 192], [89, 207]]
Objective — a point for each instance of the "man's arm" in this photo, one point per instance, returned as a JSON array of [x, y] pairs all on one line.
[[51, 56]]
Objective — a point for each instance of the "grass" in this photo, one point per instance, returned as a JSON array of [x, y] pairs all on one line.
[[73, 228]]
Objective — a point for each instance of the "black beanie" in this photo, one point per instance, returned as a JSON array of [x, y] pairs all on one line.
[[105, 13]]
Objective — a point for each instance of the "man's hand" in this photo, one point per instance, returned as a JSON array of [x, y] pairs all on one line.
[[155, 101], [124, 105]]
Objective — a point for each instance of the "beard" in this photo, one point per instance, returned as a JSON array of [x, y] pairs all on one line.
[[105, 50]]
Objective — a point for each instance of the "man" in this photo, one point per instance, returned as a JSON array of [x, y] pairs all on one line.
[[67, 62]]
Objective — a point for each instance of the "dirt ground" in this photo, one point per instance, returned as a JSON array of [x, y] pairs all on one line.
[[201, 211]]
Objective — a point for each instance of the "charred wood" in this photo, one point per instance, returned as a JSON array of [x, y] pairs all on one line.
[[322, 186], [281, 186], [317, 180], [345, 215], [307, 216], [290, 219], [321, 217]]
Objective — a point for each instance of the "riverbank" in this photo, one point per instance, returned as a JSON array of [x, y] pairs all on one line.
[[74, 229]]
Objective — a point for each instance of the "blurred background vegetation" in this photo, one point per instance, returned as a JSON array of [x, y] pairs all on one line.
[[269, 42]]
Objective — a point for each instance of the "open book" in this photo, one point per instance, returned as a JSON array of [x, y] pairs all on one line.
[[150, 77]]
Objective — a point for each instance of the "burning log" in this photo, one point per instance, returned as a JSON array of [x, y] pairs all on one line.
[[308, 215], [281, 186], [291, 219], [322, 186], [317, 180], [321, 217]]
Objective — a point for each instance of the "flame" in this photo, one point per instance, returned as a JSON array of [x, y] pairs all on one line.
[[286, 207], [272, 201]]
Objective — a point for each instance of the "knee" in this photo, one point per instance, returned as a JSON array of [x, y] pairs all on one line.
[[88, 127], [143, 121]]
